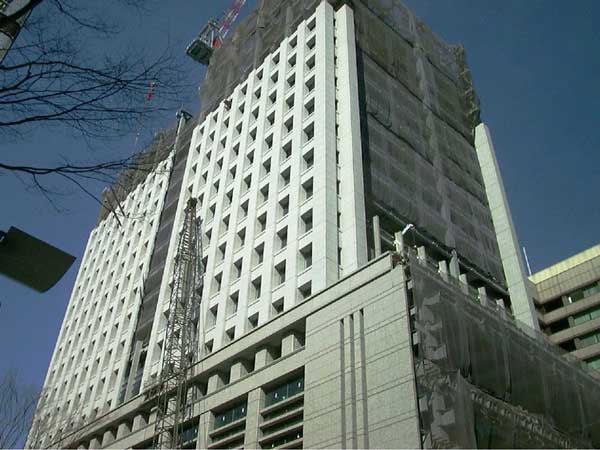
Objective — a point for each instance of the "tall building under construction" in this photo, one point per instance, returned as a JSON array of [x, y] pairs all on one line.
[[362, 283]]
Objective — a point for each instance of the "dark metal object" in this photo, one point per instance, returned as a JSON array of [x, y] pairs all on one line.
[[31, 261]]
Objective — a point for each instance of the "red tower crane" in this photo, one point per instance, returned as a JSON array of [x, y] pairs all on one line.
[[213, 34]]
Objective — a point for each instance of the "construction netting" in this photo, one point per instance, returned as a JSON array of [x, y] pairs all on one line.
[[246, 47], [484, 383], [136, 171], [418, 113]]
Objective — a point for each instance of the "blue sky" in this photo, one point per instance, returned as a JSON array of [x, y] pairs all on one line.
[[535, 65]]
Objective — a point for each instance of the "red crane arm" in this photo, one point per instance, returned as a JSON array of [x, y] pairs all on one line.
[[229, 17]]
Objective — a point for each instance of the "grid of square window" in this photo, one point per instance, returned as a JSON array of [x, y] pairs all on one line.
[[92, 347], [252, 168]]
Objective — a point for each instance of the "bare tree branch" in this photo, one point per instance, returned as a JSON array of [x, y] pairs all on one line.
[[17, 406], [58, 76]]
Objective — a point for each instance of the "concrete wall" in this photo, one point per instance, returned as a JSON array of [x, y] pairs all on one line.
[[352, 343], [519, 288]]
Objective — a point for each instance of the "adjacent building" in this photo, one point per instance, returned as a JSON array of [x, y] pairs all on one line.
[[568, 304], [362, 284]]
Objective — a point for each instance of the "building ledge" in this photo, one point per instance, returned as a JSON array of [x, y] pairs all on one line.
[[569, 310]]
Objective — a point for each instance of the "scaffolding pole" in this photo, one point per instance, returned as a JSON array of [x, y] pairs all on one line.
[[181, 338]]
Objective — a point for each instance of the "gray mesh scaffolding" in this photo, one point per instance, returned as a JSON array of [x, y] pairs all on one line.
[[418, 112], [248, 44], [142, 165], [484, 383]]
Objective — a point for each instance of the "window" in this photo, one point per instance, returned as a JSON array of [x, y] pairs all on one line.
[[586, 316], [230, 415], [270, 123], [286, 150], [208, 347], [293, 42], [237, 270], [291, 81], [312, 24], [292, 59], [252, 323], [284, 391], [306, 221], [244, 209], [306, 257], [221, 252], [229, 337], [280, 273], [305, 291], [312, 42], [256, 288], [282, 238], [310, 64], [290, 102], [309, 132], [584, 292], [266, 167], [273, 97], [211, 318], [594, 363], [217, 283], [309, 159], [284, 206], [589, 339], [309, 108], [225, 224], [307, 187], [277, 306], [262, 222], [259, 253], [289, 125], [285, 178], [310, 85], [215, 189], [236, 133], [189, 434], [247, 183], [264, 194], [241, 238]]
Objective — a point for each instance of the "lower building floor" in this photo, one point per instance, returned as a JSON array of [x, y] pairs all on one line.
[[399, 354]]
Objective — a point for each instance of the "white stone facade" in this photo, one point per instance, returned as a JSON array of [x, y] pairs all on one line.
[[93, 345], [277, 169], [280, 190]]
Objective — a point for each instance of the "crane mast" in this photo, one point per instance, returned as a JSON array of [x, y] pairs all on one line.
[[180, 348]]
